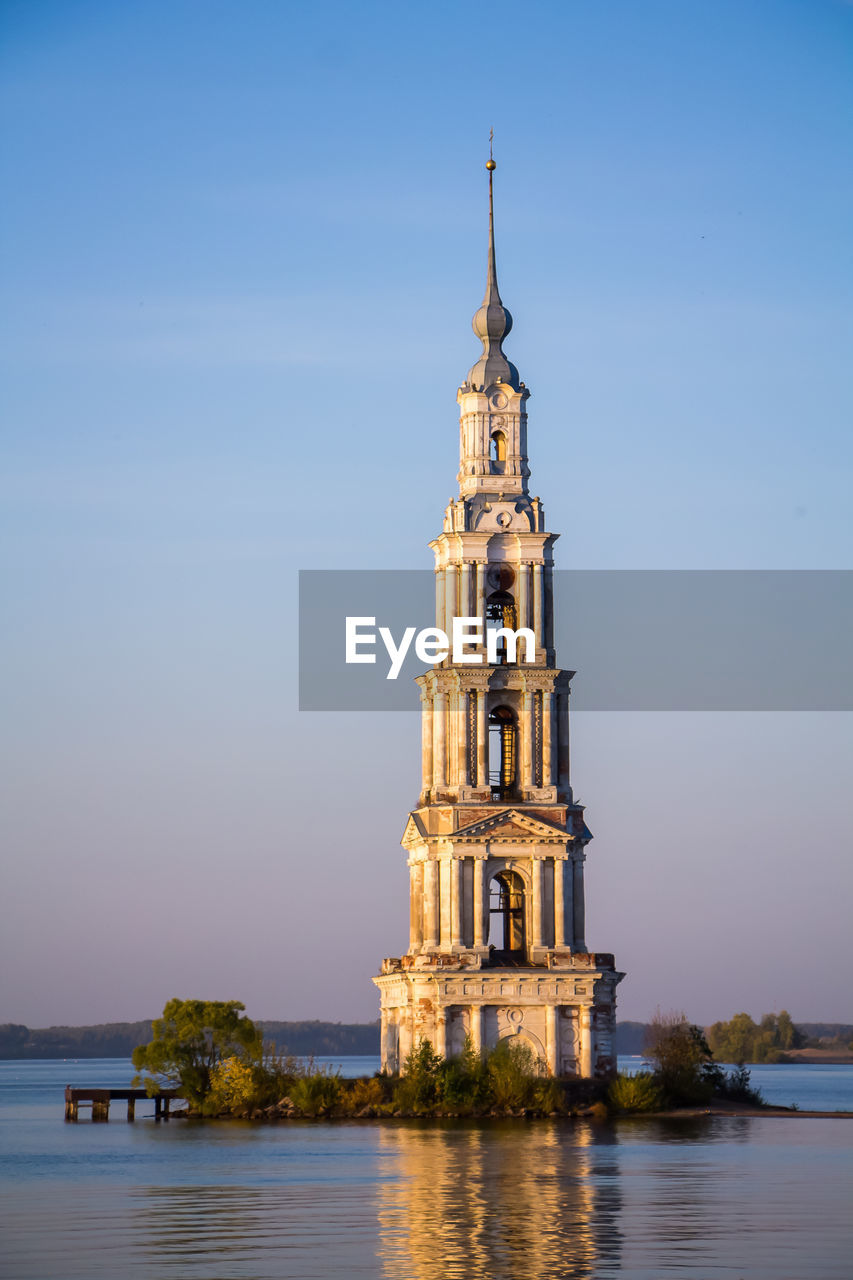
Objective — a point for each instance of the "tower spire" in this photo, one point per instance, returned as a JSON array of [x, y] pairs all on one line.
[[492, 322], [492, 294]]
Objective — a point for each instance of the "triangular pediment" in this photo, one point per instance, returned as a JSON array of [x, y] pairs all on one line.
[[415, 832], [511, 824]]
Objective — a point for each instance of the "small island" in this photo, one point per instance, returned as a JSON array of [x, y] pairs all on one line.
[[214, 1057]]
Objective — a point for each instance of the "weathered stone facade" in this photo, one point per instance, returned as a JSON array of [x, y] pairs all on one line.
[[496, 844]]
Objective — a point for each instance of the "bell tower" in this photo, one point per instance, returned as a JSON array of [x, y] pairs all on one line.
[[497, 844]]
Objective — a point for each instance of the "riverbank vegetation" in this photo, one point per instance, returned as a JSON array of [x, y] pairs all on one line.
[[216, 1057], [683, 1071], [502, 1082]]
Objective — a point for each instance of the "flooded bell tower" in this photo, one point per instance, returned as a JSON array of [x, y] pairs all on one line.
[[497, 844]]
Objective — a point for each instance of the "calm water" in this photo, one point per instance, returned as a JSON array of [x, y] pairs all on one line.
[[708, 1199]]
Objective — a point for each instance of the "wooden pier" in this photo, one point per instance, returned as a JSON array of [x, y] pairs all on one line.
[[99, 1100]]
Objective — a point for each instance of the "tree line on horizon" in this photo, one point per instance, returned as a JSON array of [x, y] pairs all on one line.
[[738, 1040]]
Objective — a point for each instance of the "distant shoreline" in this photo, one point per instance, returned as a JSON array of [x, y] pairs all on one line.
[[314, 1038], [812, 1058]]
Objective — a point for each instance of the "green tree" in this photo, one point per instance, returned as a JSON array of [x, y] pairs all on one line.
[[790, 1037], [419, 1088], [188, 1042], [741, 1040], [682, 1060], [512, 1069], [464, 1080], [734, 1041]]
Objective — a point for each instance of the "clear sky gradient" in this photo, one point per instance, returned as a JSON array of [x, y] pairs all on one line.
[[242, 244]]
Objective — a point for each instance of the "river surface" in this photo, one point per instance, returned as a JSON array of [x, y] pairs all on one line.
[[704, 1199]]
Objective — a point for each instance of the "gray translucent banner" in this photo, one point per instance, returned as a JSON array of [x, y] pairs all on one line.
[[649, 640]]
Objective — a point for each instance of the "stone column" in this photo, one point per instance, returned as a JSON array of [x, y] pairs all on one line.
[[426, 741], [416, 907], [440, 740], [559, 903], [547, 731], [446, 905], [579, 943], [480, 607], [523, 595], [449, 597], [440, 1045], [456, 902], [439, 598], [552, 1040], [586, 1045], [405, 1036], [388, 1041], [563, 740], [465, 591], [527, 734], [476, 1012], [464, 755], [538, 630], [537, 876], [479, 905], [431, 905], [568, 878], [482, 740]]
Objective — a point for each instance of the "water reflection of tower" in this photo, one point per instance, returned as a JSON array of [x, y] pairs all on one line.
[[497, 841], [499, 1201]]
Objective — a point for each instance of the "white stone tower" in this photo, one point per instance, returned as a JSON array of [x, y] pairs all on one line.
[[496, 844]]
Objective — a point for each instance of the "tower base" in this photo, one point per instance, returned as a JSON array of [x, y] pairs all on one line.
[[566, 1016]]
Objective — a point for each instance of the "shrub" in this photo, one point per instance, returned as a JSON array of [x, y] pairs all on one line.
[[275, 1076], [463, 1083], [418, 1090], [548, 1096], [634, 1093], [232, 1086], [512, 1071], [317, 1092], [683, 1064], [365, 1093], [736, 1087]]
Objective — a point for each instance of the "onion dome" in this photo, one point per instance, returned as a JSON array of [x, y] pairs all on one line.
[[492, 322]]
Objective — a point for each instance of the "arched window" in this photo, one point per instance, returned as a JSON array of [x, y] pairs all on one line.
[[506, 917], [500, 613], [503, 735], [497, 452]]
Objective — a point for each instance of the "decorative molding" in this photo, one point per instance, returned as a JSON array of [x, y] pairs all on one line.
[[510, 825]]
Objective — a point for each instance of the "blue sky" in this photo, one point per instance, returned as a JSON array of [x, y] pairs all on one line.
[[241, 249]]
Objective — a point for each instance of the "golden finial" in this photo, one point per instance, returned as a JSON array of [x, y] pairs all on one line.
[[490, 163]]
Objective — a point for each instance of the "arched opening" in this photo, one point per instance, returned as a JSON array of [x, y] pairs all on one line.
[[500, 613], [503, 736], [497, 451], [506, 918]]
